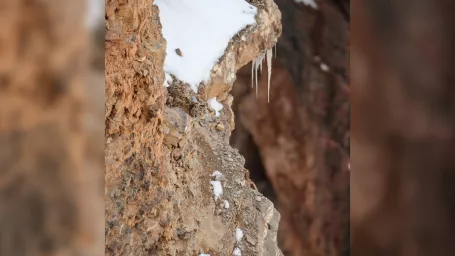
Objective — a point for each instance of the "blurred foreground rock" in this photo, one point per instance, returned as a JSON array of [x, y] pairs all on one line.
[[403, 128], [50, 190]]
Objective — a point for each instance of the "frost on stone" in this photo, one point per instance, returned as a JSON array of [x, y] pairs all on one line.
[[217, 188], [226, 204], [237, 252], [215, 105], [197, 33], [238, 235], [203, 254], [310, 3]]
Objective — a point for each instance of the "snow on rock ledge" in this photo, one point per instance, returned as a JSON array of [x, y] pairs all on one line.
[[197, 33], [250, 43]]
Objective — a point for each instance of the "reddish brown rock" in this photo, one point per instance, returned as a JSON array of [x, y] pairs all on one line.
[[403, 128], [302, 135]]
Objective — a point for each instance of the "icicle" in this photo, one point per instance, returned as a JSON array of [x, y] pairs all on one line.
[[253, 63], [256, 73], [269, 71], [260, 64]]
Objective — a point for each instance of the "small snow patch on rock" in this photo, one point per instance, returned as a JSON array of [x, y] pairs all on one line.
[[237, 252], [215, 105], [167, 80], [238, 235], [218, 175], [217, 189]]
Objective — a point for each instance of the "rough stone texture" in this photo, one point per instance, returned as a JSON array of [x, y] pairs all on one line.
[[302, 135], [403, 128], [50, 197], [163, 145]]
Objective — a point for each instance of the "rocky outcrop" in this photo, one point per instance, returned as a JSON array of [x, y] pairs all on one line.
[[302, 135], [162, 146]]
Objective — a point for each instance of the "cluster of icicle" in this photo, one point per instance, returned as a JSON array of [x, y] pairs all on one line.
[[257, 64]]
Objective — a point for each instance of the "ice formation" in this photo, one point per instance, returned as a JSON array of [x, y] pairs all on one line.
[[257, 64]]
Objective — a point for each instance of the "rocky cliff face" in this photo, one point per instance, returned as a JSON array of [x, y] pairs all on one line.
[[163, 145]]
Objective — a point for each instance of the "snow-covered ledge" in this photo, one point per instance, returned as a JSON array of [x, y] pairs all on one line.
[[209, 40]]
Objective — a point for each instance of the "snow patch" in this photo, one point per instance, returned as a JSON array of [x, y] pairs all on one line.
[[215, 105], [238, 235], [324, 67], [201, 30], [237, 252], [310, 3], [218, 175], [226, 204], [167, 80], [203, 254], [217, 188]]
